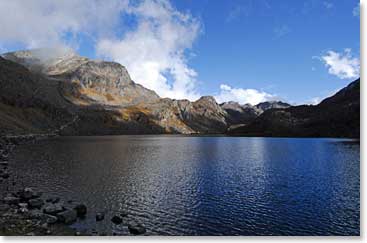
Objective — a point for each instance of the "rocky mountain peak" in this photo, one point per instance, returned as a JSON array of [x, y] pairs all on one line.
[[272, 105]]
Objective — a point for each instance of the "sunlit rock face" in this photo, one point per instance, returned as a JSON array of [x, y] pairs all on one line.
[[103, 93]]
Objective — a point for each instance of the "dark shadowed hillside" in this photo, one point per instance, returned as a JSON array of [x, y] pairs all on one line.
[[336, 116]]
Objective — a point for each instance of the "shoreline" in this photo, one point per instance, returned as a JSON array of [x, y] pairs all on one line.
[[21, 207], [24, 211]]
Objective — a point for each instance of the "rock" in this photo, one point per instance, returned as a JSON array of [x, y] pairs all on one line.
[[81, 210], [68, 216], [28, 193], [50, 219], [136, 229], [53, 199], [4, 207], [35, 203], [22, 205], [23, 210], [11, 200], [123, 214], [99, 216], [53, 209], [116, 219], [35, 214], [5, 175]]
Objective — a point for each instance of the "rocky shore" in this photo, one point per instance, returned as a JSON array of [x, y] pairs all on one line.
[[25, 211]]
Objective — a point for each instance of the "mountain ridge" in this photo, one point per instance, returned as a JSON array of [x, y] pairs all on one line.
[[106, 100]]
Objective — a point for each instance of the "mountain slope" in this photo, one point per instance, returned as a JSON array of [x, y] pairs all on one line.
[[102, 96], [243, 114], [336, 116]]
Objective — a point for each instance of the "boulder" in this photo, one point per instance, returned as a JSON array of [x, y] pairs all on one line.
[[4, 207], [116, 219], [123, 214], [22, 205], [136, 229], [28, 193], [5, 175], [68, 216], [53, 199], [99, 216], [35, 203], [50, 219], [11, 200], [35, 214], [53, 209], [81, 210]]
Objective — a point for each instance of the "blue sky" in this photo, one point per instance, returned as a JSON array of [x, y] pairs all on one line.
[[242, 50], [240, 44]]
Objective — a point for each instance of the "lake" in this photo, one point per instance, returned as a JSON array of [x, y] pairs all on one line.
[[181, 185]]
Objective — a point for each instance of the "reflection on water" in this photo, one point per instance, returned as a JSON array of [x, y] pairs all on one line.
[[203, 185]]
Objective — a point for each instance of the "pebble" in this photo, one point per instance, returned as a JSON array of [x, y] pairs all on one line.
[[81, 210], [11, 200], [116, 219], [67, 217], [53, 209], [99, 216], [35, 203], [136, 229]]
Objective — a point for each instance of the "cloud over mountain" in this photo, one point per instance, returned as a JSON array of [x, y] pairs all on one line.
[[150, 37], [154, 50], [242, 96]]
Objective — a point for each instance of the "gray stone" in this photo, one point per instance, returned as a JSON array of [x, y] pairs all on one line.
[[35, 214], [28, 193], [11, 200], [5, 175], [23, 210], [50, 219], [35, 203], [116, 219], [22, 205], [4, 207], [136, 229], [81, 210], [99, 216], [53, 209], [67, 217], [123, 213]]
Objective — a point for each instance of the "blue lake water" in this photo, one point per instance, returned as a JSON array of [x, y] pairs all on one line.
[[177, 185]]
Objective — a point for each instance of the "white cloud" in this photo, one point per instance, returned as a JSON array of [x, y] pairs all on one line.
[[356, 10], [155, 49], [40, 23], [242, 96], [342, 65], [154, 52]]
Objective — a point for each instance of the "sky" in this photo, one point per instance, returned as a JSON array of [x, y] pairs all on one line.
[[248, 51]]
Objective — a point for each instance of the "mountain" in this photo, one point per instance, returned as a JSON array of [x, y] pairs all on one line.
[[336, 116], [44, 90], [264, 106], [244, 114], [56, 91]]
